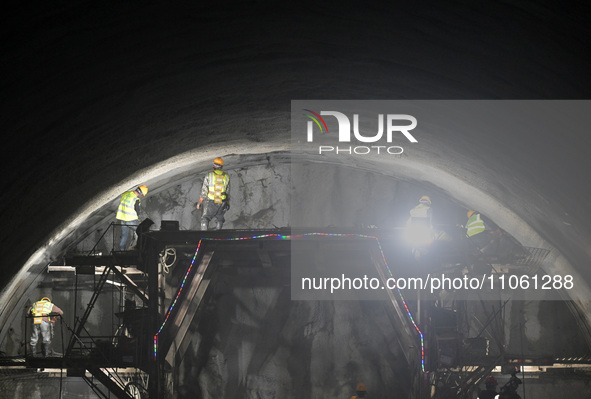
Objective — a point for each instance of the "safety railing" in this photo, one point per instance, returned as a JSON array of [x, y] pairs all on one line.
[[49, 338], [100, 239], [136, 231]]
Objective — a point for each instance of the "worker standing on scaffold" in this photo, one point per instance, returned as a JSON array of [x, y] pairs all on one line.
[[45, 314]]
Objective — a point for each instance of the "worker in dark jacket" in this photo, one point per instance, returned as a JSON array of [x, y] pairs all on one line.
[[215, 192], [491, 388], [44, 314]]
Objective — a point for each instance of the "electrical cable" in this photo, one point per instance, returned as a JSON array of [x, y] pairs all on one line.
[[164, 255]]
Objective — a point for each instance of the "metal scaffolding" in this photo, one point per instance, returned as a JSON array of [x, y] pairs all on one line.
[[159, 290]]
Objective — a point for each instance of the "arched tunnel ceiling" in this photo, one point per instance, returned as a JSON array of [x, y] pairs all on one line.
[[96, 95]]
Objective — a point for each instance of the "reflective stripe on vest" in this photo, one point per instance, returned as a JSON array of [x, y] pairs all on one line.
[[218, 183], [126, 210], [475, 225], [41, 308]]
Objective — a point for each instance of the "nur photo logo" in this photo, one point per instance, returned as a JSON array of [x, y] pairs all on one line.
[[373, 140]]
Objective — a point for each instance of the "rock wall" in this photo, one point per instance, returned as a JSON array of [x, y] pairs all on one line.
[[255, 342], [265, 196]]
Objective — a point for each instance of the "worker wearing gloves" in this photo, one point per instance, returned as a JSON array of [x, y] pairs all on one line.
[[127, 215], [215, 193], [44, 313]]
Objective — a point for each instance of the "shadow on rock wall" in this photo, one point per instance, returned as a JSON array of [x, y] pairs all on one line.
[[255, 343]]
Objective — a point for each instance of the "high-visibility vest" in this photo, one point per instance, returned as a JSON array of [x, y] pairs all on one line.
[[40, 309], [421, 215], [475, 225], [218, 183], [126, 210], [420, 211]]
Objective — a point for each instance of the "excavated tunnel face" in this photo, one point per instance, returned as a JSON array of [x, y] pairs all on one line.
[[354, 191], [267, 197], [101, 100]]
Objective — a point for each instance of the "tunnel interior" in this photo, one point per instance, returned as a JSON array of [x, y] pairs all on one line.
[[100, 99], [248, 327]]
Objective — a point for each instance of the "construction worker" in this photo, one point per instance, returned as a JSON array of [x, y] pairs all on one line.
[[482, 232], [419, 231], [491, 388], [215, 192], [45, 314], [509, 390], [421, 214], [360, 391], [127, 215]]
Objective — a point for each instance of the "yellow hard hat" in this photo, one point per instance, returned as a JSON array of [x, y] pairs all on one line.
[[46, 299], [425, 199], [143, 189], [218, 162], [470, 213], [361, 387]]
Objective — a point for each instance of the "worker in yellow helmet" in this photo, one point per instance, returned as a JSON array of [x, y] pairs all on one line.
[[361, 390], [215, 192], [127, 215], [44, 314]]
